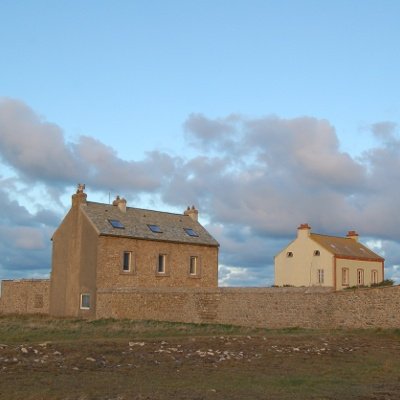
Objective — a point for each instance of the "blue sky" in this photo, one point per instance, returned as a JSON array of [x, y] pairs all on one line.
[[264, 114]]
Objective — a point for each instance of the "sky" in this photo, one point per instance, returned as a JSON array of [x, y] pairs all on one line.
[[263, 114]]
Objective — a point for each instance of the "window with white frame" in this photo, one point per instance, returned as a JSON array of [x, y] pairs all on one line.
[[345, 276], [193, 265], [360, 277], [320, 276], [374, 276], [85, 301], [161, 266], [127, 261]]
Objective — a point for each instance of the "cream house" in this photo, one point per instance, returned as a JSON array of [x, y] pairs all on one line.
[[321, 260]]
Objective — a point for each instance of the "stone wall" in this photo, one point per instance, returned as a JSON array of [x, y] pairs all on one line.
[[25, 296], [260, 307]]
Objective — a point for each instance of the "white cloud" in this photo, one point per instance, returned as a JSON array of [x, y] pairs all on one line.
[[255, 180]]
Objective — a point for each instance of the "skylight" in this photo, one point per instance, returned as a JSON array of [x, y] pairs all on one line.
[[115, 223], [191, 232], [155, 228]]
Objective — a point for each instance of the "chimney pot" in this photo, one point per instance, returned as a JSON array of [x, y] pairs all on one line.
[[192, 213], [303, 230], [352, 235], [120, 203], [80, 196]]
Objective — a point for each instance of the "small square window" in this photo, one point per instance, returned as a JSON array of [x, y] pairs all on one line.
[[155, 228], [85, 301], [127, 262], [289, 254], [317, 253], [191, 232], [115, 223], [193, 265], [161, 263]]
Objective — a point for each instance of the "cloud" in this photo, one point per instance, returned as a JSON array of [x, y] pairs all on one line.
[[253, 179], [38, 152], [24, 239]]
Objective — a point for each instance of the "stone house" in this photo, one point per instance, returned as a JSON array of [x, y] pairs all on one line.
[[320, 260], [114, 247]]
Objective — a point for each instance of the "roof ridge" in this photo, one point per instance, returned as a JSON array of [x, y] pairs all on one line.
[[332, 236], [137, 208]]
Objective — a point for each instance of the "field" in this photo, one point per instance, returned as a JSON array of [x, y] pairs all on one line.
[[43, 358]]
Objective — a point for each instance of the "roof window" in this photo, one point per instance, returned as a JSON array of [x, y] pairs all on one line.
[[115, 223], [191, 232], [155, 228]]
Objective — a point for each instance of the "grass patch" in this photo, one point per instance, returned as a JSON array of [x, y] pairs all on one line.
[[125, 359]]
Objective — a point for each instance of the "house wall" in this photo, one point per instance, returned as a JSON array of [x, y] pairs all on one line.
[[353, 266], [145, 260], [259, 307], [302, 268], [73, 270], [27, 296]]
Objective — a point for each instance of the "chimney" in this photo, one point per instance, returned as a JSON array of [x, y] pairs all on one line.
[[80, 196], [352, 235], [192, 213], [120, 203], [303, 230]]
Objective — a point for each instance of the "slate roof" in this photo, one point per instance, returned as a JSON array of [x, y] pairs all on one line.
[[345, 247], [136, 221]]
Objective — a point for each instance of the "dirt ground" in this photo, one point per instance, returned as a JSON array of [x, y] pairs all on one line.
[[337, 365]]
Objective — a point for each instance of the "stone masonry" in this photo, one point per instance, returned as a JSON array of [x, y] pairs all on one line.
[[258, 307]]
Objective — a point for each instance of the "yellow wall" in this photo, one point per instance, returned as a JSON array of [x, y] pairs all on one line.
[[302, 268], [353, 266]]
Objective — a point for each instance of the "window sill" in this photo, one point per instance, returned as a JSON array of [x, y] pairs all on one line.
[[161, 275]]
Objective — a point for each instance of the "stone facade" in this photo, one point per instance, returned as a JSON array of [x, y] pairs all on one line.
[[258, 307], [272, 308], [26, 296], [101, 246]]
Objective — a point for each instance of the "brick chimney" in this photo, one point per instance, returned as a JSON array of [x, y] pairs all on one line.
[[80, 196], [352, 235], [192, 213], [120, 203], [303, 230]]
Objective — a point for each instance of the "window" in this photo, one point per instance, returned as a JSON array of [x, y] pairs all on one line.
[[374, 276], [191, 232], [345, 277], [320, 276], [161, 263], [155, 228], [115, 223], [289, 254], [85, 301], [360, 277], [127, 261], [193, 265], [316, 253]]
